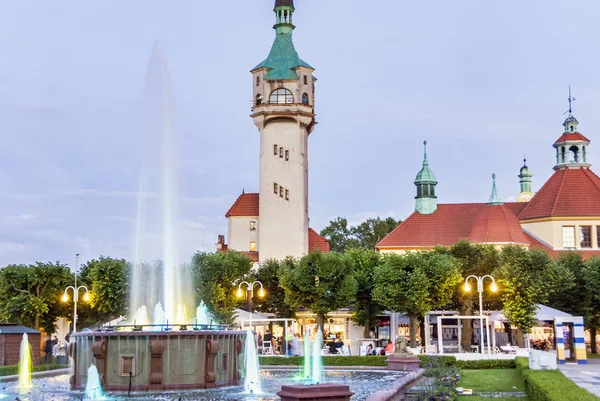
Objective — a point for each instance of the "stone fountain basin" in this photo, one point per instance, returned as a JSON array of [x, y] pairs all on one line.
[[363, 383]]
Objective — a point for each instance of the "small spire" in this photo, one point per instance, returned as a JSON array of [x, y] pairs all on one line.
[[494, 198], [425, 162], [571, 99]]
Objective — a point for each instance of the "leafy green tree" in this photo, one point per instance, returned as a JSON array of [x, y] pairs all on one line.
[[339, 235], [365, 235], [274, 301], [527, 278], [108, 279], [415, 283], [322, 282], [216, 275], [592, 288], [30, 295], [373, 230], [479, 260], [366, 309]]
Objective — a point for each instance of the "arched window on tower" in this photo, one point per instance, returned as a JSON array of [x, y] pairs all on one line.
[[575, 151], [259, 99], [281, 96], [563, 154], [304, 98]]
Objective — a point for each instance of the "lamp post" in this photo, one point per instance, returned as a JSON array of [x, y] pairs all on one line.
[[249, 289], [86, 296], [493, 288]]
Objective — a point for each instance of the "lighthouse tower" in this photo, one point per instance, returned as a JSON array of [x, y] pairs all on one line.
[[283, 112]]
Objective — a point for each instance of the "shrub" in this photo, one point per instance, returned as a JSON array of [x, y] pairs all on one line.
[[445, 376], [487, 364], [550, 385], [14, 369], [429, 360]]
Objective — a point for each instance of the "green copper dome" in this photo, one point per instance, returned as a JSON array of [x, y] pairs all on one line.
[[425, 176], [283, 58]]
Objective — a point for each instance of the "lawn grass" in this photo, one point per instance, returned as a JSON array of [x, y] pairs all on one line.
[[490, 381], [593, 356]]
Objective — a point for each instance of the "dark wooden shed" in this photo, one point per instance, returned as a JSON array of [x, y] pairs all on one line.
[[10, 343]]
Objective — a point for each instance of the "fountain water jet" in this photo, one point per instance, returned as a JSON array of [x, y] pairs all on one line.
[[158, 219], [25, 363], [93, 388], [306, 367], [203, 317], [317, 376], [252, 380]]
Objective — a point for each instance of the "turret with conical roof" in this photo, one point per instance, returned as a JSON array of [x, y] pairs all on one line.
[[494, 198], [525, 180], [426, 200]]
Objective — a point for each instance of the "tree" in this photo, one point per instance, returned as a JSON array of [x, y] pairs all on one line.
[[339, 235], [591, 272], [415, 283], [527, 278], [474, 259], [108, 279], [366, 309], [373, 230], [30, 295], [365, 235], [322, 282], [274, 301], [215, 277]]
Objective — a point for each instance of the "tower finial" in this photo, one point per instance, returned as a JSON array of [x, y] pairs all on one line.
[[494, 198], [425, 162], [571, 100]]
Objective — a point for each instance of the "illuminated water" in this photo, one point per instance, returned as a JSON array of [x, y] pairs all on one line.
[[306, 366], [157, 232], [25, 363], [93, 389], [252, 379], [362, 383], [316, 375]]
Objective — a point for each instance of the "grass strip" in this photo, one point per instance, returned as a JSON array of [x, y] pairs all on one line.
[[14, 369]]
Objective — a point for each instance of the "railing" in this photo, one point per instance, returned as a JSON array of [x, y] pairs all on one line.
[[163, 327]]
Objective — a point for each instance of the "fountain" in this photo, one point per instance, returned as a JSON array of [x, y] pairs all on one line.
[[25, 364], [93, 389], [316, 372], [203, 317], [161, 347], [252, 379], [314, 387]]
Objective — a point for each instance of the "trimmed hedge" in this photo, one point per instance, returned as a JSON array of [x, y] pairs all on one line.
[[426, 360], [14, 369], [550, 385]]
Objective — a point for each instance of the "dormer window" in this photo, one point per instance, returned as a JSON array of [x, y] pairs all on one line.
[[281, 96]]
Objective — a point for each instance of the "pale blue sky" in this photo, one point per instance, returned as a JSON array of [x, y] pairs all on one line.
[[483, 81]]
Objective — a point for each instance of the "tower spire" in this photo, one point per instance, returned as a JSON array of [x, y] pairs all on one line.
[[571, 100], [494, 198], [525, 181], [426, 200]]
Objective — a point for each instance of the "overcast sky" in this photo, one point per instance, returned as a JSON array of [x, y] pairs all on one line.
[[484, 82]]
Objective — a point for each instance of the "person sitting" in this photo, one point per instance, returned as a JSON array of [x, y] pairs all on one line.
[[370, 350], [389, 348]]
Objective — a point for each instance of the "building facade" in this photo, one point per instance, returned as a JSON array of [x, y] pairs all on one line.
[[274, 223], [563, 215]]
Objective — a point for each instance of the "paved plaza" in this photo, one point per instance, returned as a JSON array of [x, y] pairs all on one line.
[[585, 376]]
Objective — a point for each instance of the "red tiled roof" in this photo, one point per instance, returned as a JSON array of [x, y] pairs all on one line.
[[245, 206], [447, 225], [497, 225], [575, 136], [316, 242], [251, 255], [569, 192]]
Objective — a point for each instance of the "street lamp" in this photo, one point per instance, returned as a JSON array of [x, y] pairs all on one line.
[[493, 288], [86, 296], [249, 288]]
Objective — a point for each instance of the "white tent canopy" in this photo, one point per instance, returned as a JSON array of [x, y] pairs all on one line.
[[244, 315], [543, 313]]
